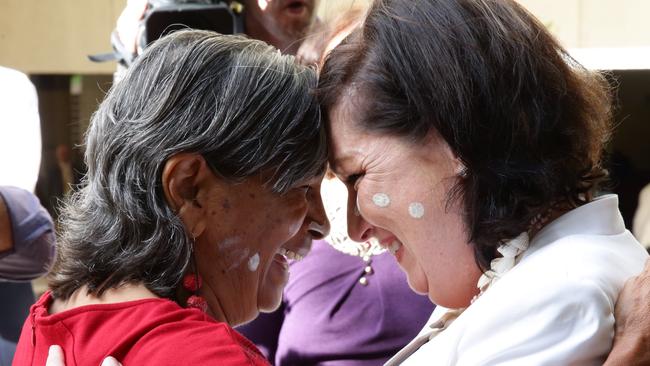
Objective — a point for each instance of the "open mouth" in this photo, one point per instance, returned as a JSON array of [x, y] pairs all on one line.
[[394, 247], [296, 6], [290, 254]]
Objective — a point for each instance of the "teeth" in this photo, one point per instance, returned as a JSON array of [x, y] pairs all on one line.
[[394, 247], [290, 254]]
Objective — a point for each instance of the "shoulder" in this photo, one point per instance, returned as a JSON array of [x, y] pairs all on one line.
[[556, 306], [602, 261], [546, 322], [155, 331], [188, 336], [194, 341]]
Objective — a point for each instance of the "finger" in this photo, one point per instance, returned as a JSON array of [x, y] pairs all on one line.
[[110, 361], [647, 265], [55, 356]]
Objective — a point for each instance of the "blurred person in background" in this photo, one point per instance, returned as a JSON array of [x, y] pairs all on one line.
[[20, 158], [27, 244], [59, 178], [283, 24], [20, 131]]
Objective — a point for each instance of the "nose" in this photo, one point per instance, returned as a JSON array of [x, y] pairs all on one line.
[[358, 228], [319, 224]]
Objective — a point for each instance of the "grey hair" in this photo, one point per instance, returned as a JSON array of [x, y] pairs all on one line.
[[239, 103]]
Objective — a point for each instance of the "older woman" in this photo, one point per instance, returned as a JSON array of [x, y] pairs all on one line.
[[204, 166], [471, 145]]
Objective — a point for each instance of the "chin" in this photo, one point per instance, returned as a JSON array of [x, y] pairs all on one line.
[[269, 302], [416, 279], [419, 286]]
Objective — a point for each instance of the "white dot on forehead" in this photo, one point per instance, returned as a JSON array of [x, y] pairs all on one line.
[[416, 210], [381, 199], [254, 262]]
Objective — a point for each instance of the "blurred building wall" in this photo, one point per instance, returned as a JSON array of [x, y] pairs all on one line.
[[55, 36]]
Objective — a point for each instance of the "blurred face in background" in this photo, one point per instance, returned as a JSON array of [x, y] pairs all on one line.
[[282, 23]]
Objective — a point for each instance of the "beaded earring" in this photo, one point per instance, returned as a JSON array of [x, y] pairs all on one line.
[[192, 283]]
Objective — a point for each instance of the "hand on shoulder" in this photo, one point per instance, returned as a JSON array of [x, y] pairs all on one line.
[[55, 358], [632, 337]]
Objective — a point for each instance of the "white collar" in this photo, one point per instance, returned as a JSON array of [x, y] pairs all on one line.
[[598, 217]]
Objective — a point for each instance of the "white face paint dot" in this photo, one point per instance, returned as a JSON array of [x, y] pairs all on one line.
[[381, 199], [416, 210], [254, 262]]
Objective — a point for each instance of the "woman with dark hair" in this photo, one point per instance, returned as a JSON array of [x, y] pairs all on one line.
[[204, 166], [471, 145]]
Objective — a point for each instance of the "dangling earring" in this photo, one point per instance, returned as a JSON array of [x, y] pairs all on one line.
[[192, 282]]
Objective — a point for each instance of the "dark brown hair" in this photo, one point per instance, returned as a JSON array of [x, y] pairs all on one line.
[[526, 120]]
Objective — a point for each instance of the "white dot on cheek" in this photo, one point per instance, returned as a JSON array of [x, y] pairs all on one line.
[[416, 210], [254, 262], [381, 199]]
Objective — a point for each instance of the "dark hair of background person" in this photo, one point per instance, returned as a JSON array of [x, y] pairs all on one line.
[[238, 102], [525, 119]]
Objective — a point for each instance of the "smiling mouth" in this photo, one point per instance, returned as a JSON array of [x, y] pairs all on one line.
[[296, 6], [394, 247], [290, 254]]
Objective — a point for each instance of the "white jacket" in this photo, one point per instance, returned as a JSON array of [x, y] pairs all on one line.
[[555, 307]]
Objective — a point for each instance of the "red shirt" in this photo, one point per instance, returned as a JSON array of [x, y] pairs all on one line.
[[142, 332]]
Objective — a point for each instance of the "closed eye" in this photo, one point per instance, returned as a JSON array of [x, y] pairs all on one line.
[[306, 188], [353, 180]]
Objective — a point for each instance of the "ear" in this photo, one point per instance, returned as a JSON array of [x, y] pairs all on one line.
[[184, 176]]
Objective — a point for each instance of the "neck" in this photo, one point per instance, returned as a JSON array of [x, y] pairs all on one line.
[[215, 309], [126, 292], [541, 220]]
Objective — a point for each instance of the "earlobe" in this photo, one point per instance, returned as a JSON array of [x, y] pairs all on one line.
[[199, 228]]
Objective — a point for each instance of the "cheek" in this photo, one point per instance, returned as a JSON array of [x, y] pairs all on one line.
[[398, 209], [377, 204], [294, 213]]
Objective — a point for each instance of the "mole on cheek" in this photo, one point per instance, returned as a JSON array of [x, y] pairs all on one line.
[[381, 199], [225, 204]]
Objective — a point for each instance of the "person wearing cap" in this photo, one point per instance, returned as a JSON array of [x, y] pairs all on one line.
[[26, 250]]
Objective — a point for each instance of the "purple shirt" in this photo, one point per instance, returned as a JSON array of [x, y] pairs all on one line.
[[33, 237], [329, 318]]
